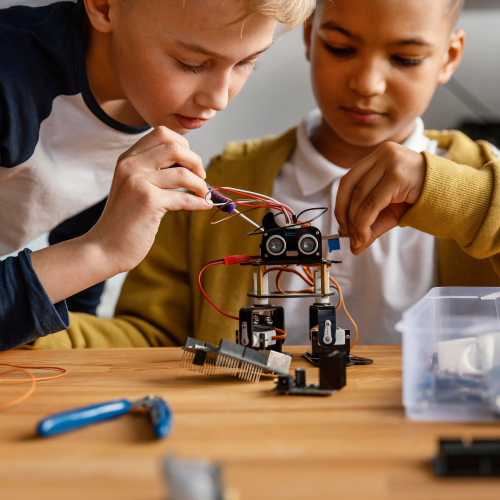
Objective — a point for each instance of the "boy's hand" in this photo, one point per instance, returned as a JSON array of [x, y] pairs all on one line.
[[141, 194], [377, 192]]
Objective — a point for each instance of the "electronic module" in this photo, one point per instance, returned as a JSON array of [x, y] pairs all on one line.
[[261, 326]]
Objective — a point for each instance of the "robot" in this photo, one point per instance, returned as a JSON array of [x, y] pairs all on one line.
[[262, 325]]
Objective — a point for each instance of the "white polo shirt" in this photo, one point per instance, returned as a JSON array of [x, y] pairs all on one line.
[[391, 275]]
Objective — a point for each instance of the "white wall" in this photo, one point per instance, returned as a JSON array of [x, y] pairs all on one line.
[[479, 71]]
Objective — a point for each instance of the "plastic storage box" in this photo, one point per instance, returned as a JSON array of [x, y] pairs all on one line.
[[451, 355]]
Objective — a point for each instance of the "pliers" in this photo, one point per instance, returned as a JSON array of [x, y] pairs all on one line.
[[157, 409]]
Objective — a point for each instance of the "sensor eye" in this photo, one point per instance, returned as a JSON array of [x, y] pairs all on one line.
[[276, 245], [308, 244]]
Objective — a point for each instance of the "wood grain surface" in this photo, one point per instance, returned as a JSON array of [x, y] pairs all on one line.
[[356, 443]]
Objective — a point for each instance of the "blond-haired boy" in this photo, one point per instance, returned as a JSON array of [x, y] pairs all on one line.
[[375, 66], [81, 85]]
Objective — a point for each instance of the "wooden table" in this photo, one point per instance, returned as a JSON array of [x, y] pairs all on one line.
[[356, 444]]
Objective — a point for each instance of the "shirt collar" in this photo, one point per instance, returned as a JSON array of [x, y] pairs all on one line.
[[313, 172]]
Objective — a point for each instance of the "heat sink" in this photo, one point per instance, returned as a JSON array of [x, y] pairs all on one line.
[[233, 359]]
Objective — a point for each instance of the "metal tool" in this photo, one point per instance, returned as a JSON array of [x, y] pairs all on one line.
[[157, 409]]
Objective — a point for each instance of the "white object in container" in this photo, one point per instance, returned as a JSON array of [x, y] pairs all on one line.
[[451, 355]]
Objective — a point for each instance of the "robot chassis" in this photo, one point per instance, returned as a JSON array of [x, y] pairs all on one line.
[[301, 246]]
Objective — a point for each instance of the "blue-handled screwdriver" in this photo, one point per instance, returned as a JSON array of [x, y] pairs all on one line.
[[157, 409]]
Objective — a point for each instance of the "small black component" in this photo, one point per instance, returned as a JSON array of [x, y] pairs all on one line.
[[480, 457], [293, 244], [257, 327], [319, 316], [332, 374], [352, 360], [332, 377], [199, 357]]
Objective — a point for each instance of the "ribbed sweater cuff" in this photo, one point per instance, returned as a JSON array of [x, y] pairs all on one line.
[[454, 201]]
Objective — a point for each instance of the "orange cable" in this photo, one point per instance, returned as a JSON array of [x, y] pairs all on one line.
[[286, 269], [279, 337], [33, 380], [342, 303]]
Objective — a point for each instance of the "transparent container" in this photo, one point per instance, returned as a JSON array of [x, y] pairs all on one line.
[[451, 355]]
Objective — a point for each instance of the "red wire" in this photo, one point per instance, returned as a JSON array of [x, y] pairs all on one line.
[[216, 263], [206, 296], [280, 205]]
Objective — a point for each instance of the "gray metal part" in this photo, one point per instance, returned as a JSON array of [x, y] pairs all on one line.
[[279, 361]]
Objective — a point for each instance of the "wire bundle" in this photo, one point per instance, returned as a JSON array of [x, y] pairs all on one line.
[[309, 279], [252, 201]]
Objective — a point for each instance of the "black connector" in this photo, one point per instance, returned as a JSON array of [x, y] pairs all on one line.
[[332, 377], [480, 457]]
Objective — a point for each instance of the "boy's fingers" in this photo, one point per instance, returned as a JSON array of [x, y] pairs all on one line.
[[174, 178], [157, 136], [348, 184], [372, 206], [178, 200], [362, 199], [385, 222], [166, 155]]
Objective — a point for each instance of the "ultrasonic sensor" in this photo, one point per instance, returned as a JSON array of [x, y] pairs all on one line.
[[308, 244], [276, 245]]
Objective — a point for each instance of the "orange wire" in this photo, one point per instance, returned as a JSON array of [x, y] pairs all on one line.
[[311, 282], [33, 380], [342, 303], [279, 337], [26, 395], [286, 269], [41, 379], [278, 277]]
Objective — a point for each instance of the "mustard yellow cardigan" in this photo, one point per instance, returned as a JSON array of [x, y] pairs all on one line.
[[161, 305]]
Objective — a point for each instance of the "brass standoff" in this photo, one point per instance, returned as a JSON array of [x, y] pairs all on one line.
[[325, 285], [260, 280]]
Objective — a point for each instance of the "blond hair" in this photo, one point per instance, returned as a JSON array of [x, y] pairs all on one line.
[[290, 13]]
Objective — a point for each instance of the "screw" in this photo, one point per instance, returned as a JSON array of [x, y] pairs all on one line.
[[317, 232], [265, 234], [261, 341], [328, 323], [347, 336], [255, 319], [266, 256], [269, 320], [317, 254], [315, 338], [244, 324]]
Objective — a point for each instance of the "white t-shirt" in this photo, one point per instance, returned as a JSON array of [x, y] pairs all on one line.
[[58, 148], [391, 275]]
